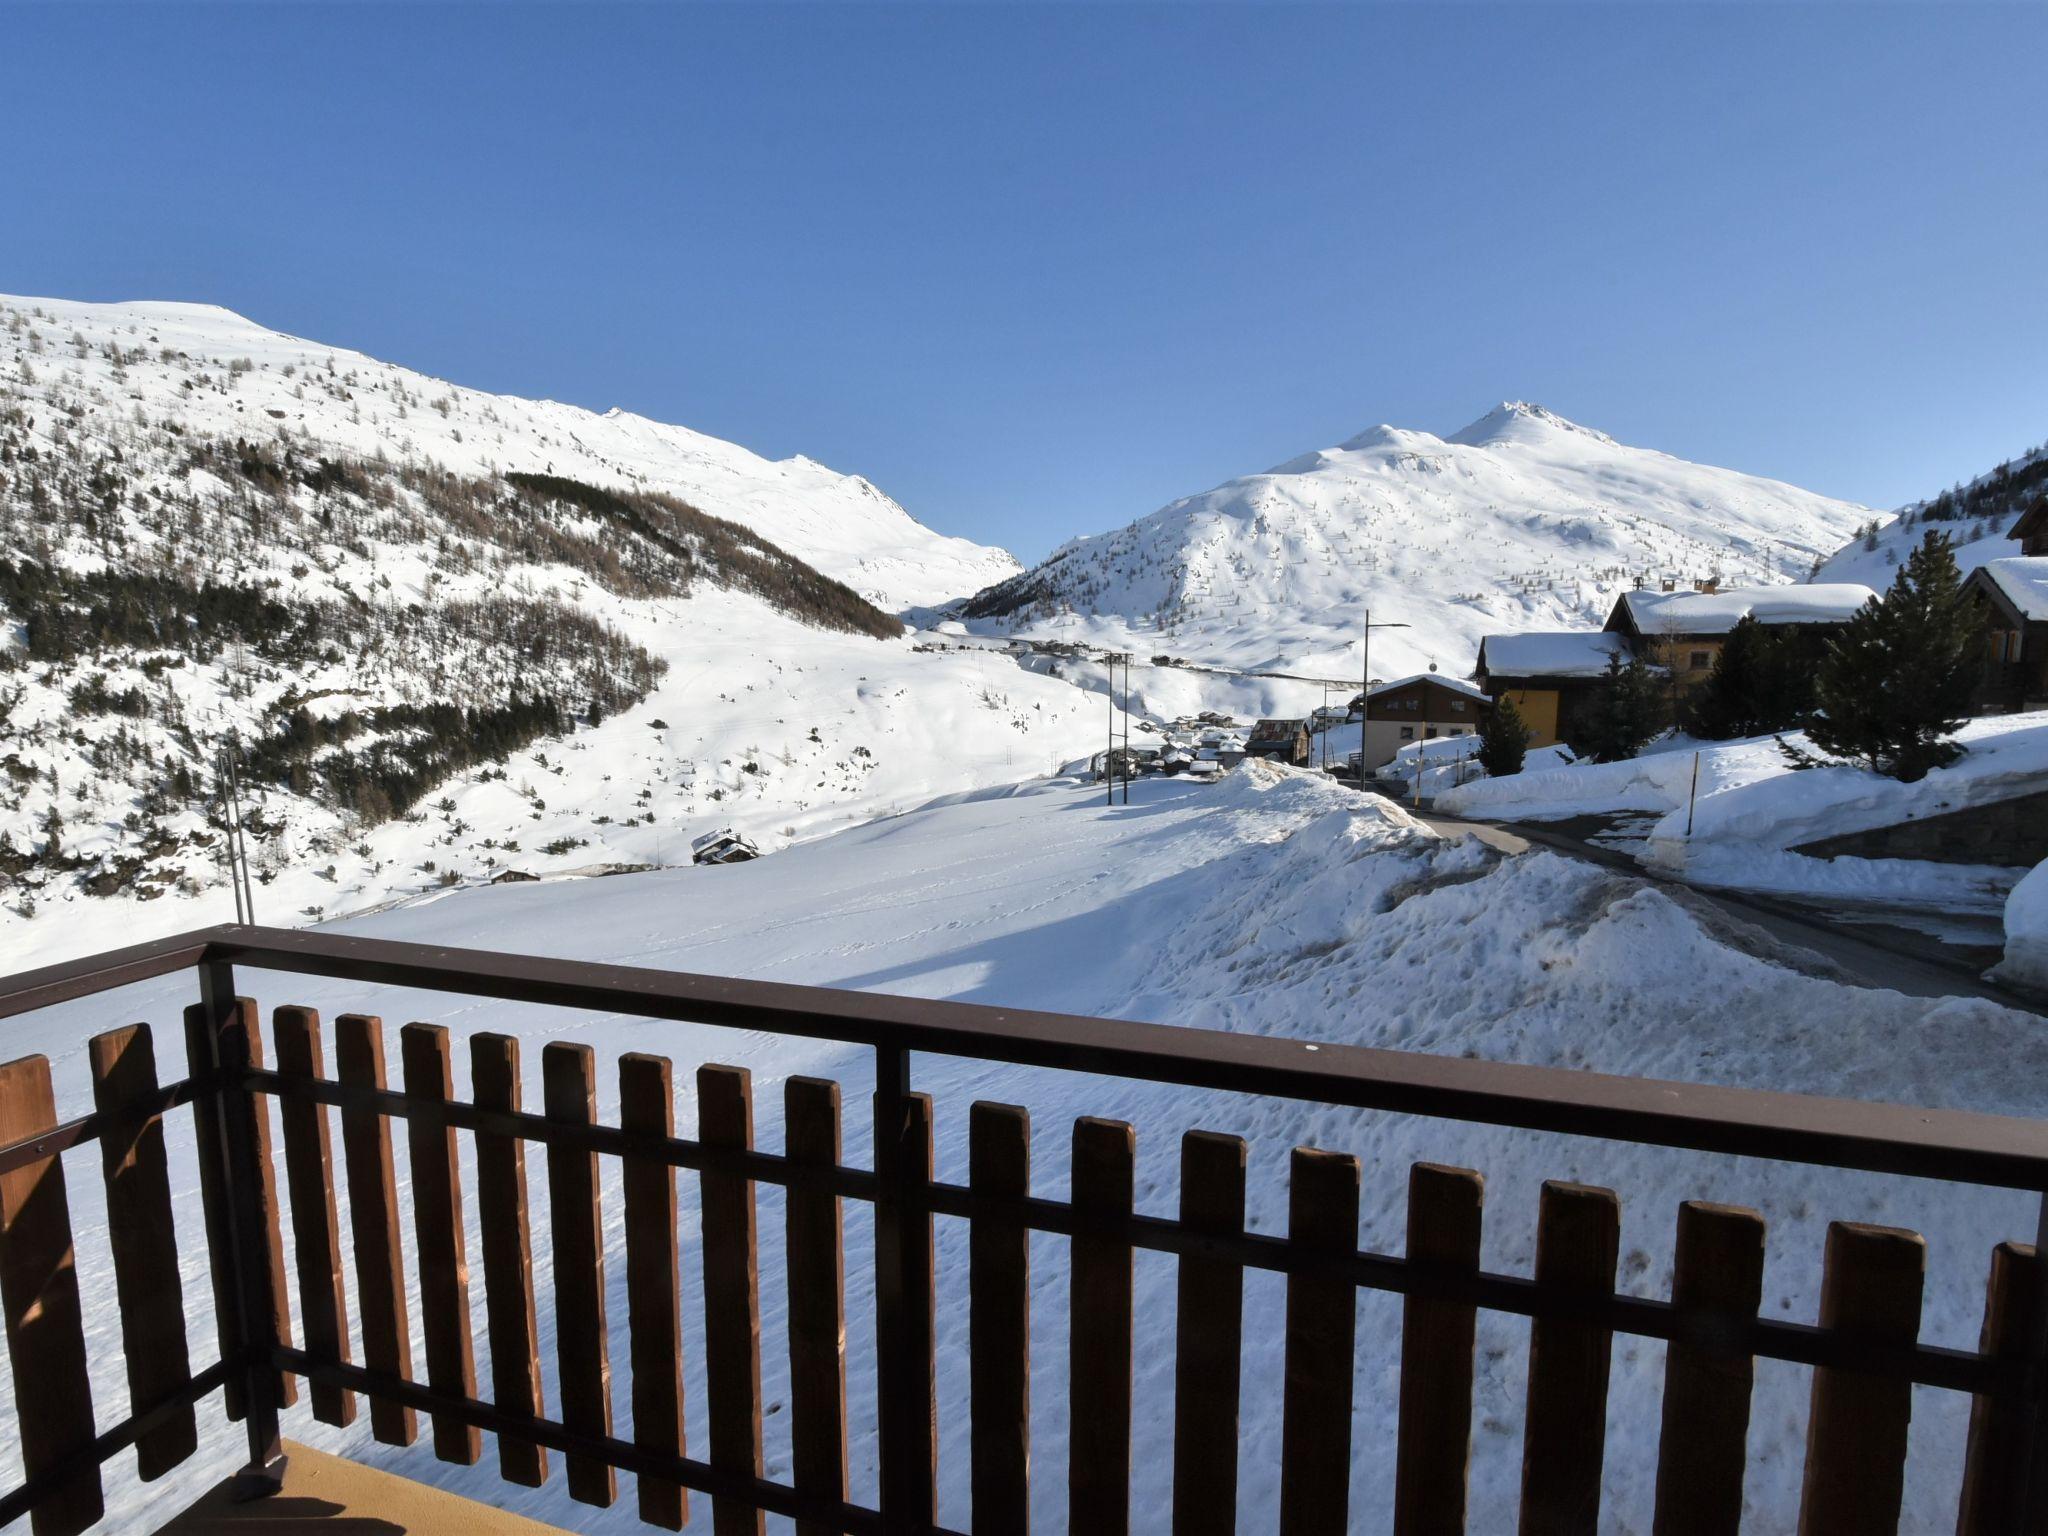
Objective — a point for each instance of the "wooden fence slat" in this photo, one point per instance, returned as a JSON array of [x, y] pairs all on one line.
[[816, 1245], [999, 1322], [1208, 1340], [142, 1232], [505, 1234], [201, 1050], [213, 1208], [654, 1323], [906, 1387], [45, 1320], [1564, 1429], [568, 1074], [373, 1223], [1099, 1335], [438, 1236], [732, 1301], [1990, 1502], [1703, 1447], [1433, 1454], [316, 1230], [1322, 1336], [1856, 1428]]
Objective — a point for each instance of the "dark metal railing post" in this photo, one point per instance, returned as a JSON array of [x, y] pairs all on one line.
[[903, 1361], [2031, 1465], [247, 1254]]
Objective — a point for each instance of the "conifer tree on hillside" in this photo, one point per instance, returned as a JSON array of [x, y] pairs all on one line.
[[1503, 739], [1897, 681]]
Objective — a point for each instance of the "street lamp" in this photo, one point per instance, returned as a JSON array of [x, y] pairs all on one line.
[[1365, 685]]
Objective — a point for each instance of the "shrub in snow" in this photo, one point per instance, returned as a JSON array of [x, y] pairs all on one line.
[[1897, 681], [2026, 933]]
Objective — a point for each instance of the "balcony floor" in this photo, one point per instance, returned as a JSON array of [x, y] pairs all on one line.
[[326, 1496]]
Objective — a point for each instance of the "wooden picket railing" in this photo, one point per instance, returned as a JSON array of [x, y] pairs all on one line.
[[1863, 1349]]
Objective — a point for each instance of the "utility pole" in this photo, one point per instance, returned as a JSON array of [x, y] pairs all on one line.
[[237, 849], [1109, 747], [1365, 685], [1127, 728]]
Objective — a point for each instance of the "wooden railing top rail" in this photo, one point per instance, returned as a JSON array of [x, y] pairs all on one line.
[[1955, 1145]]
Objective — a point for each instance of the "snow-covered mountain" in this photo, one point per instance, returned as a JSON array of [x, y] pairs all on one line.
[[228, 377], [455, 634], [1975, 516], [1521, 520]]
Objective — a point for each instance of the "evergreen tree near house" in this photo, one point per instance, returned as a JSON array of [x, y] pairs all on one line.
[[1897, 681], [1762, 682], [1630, 712], [1503, 739]]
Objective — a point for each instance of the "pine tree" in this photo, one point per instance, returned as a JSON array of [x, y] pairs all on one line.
[[1898, 679], [1503, 739], [1630, 711], [1762, 683]]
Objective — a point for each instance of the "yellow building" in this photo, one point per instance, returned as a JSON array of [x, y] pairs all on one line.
[[1553, 677]]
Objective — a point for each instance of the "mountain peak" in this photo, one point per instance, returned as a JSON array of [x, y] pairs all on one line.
[[1520, 421]]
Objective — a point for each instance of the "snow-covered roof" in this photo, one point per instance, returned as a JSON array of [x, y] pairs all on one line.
[[1549, 653], [2024, 581], [1456, 684], [1715, 613]]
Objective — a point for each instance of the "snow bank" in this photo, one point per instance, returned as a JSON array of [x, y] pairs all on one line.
[[1751, 806], [2026, 933]]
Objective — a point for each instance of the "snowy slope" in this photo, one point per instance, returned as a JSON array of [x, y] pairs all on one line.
[[1208, 906], [1975, 516], [1523, 520], [346, 402], [440, 673]]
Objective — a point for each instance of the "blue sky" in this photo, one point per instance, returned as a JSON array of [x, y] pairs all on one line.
[[1036, 271]]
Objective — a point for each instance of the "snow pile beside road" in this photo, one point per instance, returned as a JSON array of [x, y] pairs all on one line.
[[2026, 932], [1751, 806]]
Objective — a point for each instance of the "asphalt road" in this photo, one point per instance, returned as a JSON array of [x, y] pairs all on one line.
[[1903, 962]]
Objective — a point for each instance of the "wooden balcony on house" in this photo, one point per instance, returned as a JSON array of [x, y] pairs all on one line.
[[1864, 1352]]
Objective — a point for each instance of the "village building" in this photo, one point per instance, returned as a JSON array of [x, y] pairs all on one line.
[[1419, 708], [1683, 632], [1553, 677], [1284, 741], [2032, 529], [2012, 596]]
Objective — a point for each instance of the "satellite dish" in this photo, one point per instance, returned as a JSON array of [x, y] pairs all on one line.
[[1432, 666]]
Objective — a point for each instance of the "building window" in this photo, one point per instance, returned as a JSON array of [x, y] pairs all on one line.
[[1457, 730], [1407, 733], [1430, 734], [1701, 660], [1458, 706]]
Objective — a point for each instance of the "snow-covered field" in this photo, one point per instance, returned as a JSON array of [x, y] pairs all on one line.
[[1746, 806], [1273, 903]]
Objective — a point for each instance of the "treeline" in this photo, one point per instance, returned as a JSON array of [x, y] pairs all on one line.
[[1998, 497], [724, 552], [66, 614], [416, 748]]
